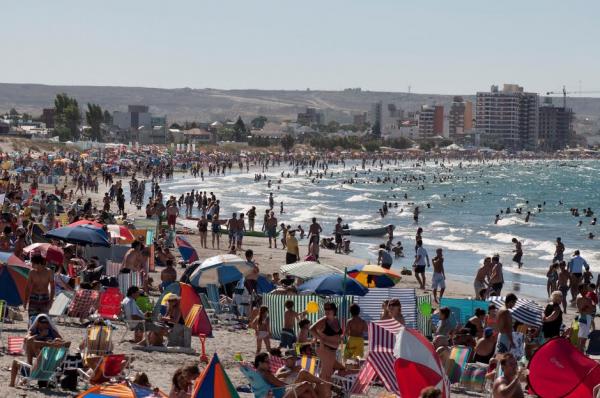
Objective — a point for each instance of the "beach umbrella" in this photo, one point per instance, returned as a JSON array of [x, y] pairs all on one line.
[[525, 310], [13, 280], [7, 258], [371, 275], [80, 235], [220, 270], [188, 299], [85, 222], [52, 254], [308, 269], [120, 231], [333, 284], [417, 365], [188, 253], [122, 390], [214, 382]]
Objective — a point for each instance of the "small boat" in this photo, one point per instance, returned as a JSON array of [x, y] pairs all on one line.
[[380, 231]]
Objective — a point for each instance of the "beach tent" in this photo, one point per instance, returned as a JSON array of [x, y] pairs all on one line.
[[308, 269], [122, 390], [188, 253], [525, 310], [370, 304], [380, 358], [189, 297], [214, 382], [276, 305], [558, 369], [461, 309], [417, 365]]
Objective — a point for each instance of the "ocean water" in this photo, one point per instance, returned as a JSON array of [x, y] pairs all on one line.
[[460, 219]]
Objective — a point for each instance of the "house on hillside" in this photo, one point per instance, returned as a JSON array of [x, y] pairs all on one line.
[[199, 136]]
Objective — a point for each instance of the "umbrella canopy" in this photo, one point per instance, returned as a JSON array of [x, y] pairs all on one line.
[[52, 254], [123, 390], [7, 258], [371, 275], [80, 235], [13, 280], [120, 231], [214, 382], [308, 269], [85, 222], [219, 270], [417, 365], [333, 284], [188, 253], [526, 311]]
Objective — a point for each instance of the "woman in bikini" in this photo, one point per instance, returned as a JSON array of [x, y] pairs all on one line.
[[328, 332]]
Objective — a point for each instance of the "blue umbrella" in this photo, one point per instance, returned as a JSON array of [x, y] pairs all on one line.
[[220, 270], [333, 284], [80, 235]]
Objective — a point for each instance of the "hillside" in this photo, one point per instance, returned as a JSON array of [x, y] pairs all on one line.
[[209, 104]]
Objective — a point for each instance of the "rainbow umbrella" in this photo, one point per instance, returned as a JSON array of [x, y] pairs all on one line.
[[214, 382], [7, 258], [371, 275], [123, 390], [187, 251], [13, 279]]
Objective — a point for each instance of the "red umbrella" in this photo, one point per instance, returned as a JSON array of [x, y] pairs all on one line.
[[52, 254], [120, 231], [85, 222]]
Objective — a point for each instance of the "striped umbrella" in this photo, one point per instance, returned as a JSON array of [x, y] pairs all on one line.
[[214, 382], [220, 270], [526, 311], [13, 279], [308, 269], [122, 390], [371, 275], [7, 258]]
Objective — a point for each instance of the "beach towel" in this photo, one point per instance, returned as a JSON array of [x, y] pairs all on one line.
[[275, 304], [370, 304]]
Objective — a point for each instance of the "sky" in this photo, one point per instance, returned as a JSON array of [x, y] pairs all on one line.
[[434, 46]]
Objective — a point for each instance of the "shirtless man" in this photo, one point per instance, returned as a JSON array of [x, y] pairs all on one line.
[[314, 237], [509, 384], [482, 278], [290, 316], [339, 233], [518, 257], [564, 276], [167, 275], [271, 229], [132, 258], [496, 276], [39, 290], [172, 213], [232, 227], [586, 309], [438, 280], [505, 325], [356, 329]]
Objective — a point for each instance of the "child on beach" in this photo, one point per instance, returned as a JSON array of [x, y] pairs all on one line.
[[552, 274], [303, 334], [262, 327], [356, 328], [288, 336]]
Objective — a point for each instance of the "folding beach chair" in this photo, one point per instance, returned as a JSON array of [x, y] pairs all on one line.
[[212, 292], [310, 364], [459, 356], [111, 368], [60, 305], [15, 345], [473, 377], [259, 385], [98, 341], [210, 311], [84, 303], [47, 367], [110, 303]]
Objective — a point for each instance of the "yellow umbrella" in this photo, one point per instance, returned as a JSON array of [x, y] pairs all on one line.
[[371, 275]]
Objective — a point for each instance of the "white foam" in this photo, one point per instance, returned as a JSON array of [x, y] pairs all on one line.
[[316, 194], [359, 198], [438, 223]]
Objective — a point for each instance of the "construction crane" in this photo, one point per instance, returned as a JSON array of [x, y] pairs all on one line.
[[565, 92]]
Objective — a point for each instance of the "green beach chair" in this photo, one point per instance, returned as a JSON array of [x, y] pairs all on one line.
[[47, 367]]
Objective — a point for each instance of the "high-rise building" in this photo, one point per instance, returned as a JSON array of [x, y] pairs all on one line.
[[48, 117], [388, 115], [140, 125], [359, 120], [310, 117], [508, 117], [431, 121], [555, 126], [460, 117]]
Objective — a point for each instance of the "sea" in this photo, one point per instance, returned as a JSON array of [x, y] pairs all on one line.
[[458, 208]]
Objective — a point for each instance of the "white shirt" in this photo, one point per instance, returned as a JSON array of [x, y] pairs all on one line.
[[130, 308], [422, 256]]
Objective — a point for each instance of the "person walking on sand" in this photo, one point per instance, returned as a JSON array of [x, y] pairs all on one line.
[[496, 276], [421, 260], [518, 257], [564, 276], [172, 213], [438, 280], [575, 267], [482, 277], [314, 237], [271, 229]]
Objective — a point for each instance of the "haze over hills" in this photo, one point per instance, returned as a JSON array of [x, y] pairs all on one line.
[[211, 104]]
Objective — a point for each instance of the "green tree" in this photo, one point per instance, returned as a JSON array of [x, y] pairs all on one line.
[[94, 117], [400, 143], [258, 122], [67, 114], [287, 142], [376, 130], [240, 133], [427, 145], [108, 120]]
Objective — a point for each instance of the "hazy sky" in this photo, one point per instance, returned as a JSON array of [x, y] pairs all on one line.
[[436, 46]]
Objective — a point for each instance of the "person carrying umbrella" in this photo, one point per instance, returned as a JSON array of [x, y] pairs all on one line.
[[39, 291]]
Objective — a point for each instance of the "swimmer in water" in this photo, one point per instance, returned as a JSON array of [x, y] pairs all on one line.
[[497, 219], [518, 252]]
